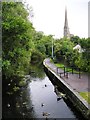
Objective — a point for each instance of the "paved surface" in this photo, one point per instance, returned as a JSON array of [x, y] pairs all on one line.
[[77, 84]]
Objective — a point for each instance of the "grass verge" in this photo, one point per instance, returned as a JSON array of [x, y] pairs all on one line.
[[86, 96]]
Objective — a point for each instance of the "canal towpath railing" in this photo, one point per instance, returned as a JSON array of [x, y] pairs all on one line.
[[65, 71]]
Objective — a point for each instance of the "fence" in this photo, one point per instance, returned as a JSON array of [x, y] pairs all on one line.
[[66, 71]]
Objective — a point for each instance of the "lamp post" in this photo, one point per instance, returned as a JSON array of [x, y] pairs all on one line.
[[52, 49]]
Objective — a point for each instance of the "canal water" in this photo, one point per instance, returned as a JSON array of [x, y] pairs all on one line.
[[37, 100]]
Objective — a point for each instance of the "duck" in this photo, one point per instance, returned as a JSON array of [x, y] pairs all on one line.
[[8, 105], [46, 114], [59, 98], [59, 94], [42, 104], [45, 85], [63, 95]]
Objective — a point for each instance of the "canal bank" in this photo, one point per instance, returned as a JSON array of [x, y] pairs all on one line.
[[78, 102]]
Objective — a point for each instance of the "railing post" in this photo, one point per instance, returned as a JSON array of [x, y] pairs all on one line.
[[64, 71], [79, 74], [57, 70], [66, 74], [60, 75], [72, 70]]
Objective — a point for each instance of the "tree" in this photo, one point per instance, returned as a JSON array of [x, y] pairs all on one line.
[[64, 50], [75, 39], [85, 44], [16, 38]]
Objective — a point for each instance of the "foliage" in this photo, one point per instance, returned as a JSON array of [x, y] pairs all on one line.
[[60, 65], [64, 52], [16, 38], [86, 96], [75, 39], [36, 57], [46, 43], [15, 89], [22, 83], [23, 45], [85, 43]]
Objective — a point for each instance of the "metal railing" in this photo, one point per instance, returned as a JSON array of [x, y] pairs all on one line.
[[65, 71]]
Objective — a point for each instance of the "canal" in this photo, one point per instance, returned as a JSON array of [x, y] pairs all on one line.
[[38, 100]]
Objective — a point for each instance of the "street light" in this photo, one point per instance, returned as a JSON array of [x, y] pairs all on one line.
[[52, 49]]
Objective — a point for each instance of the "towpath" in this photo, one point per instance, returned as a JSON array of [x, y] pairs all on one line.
[[78, 84]]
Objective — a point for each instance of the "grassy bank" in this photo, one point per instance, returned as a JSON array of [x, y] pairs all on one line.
[[86, 96]]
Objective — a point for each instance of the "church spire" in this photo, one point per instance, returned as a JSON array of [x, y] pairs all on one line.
[[66, 28]]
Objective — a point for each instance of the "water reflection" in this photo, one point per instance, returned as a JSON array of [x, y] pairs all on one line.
[[37, 99], [18, 105], [37, 71], [45, 100]]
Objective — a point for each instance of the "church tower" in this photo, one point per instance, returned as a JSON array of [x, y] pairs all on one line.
[[66, 28]]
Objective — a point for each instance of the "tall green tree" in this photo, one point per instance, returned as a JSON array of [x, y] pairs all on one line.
[[16, 39]]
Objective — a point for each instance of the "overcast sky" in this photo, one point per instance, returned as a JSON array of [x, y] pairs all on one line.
[[49, 16]]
